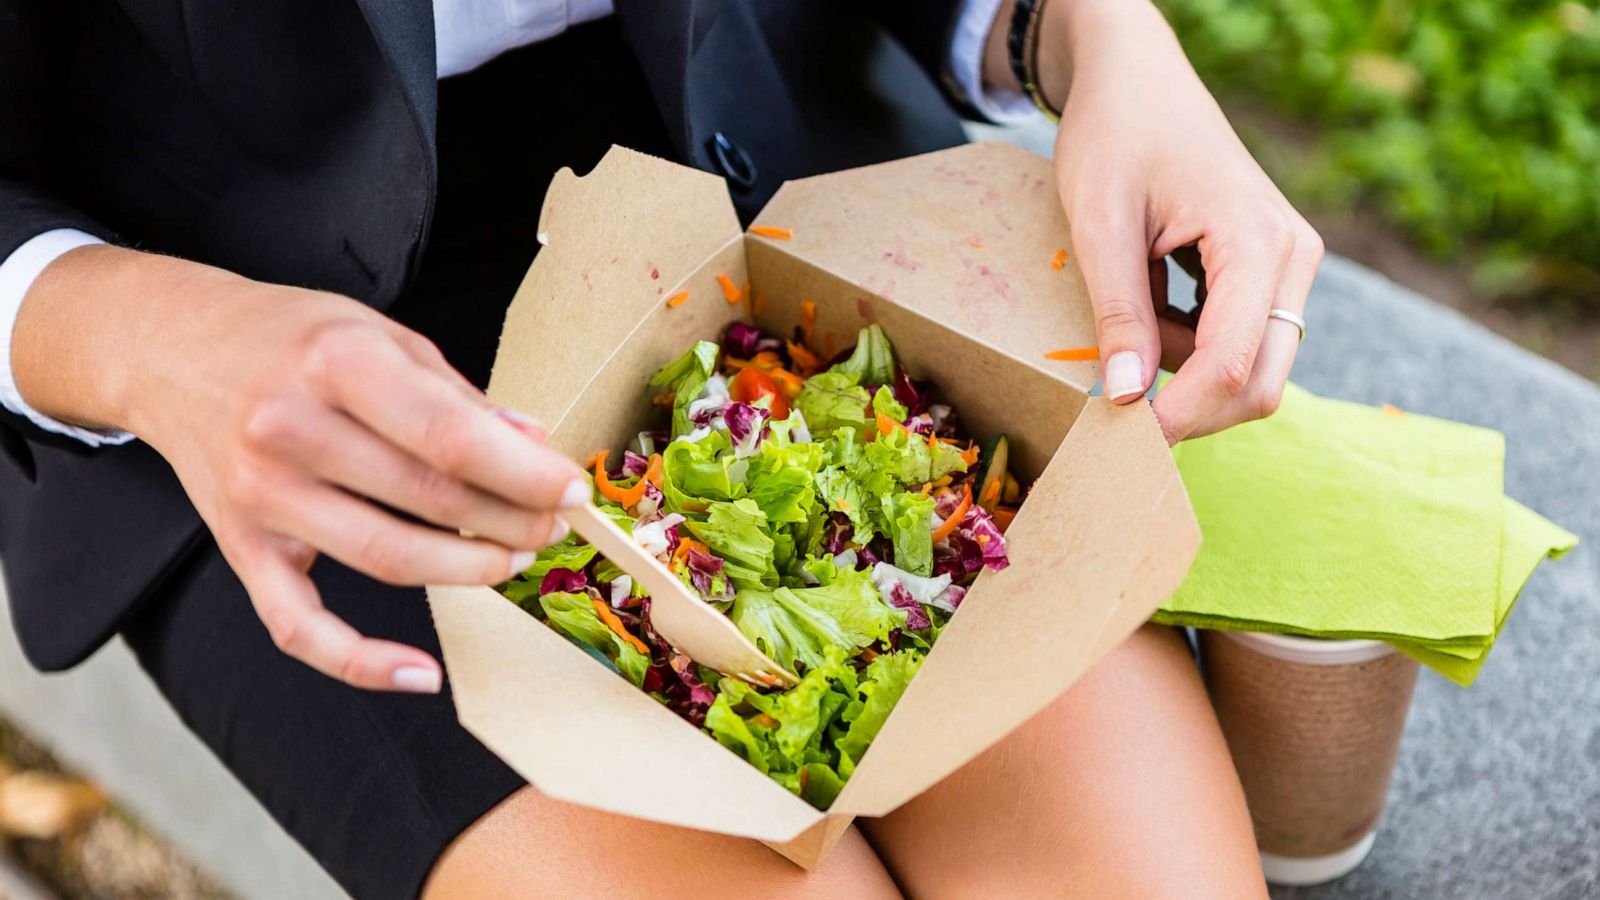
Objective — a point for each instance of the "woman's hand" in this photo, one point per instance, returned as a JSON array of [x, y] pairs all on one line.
[[297, 421], [1146, 165]]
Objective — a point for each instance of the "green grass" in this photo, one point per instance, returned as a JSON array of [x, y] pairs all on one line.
[[1474, 126]]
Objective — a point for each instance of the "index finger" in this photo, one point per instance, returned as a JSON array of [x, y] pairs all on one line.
[[289, 606], [1243, 271], [452, 432]]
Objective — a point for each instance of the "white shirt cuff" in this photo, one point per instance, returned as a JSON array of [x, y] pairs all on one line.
[[17, 274], [999, 106]]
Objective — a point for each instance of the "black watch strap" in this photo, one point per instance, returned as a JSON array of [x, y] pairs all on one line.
[[1022, 46]]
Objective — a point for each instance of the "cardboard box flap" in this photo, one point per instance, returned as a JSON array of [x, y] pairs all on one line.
[[617, 242], [1102, 539], [581, 734], [966, 236]]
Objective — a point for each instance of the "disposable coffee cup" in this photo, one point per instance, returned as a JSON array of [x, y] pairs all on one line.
[[1314, 728]]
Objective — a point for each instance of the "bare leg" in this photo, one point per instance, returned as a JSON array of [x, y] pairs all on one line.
[[532, 846], [1122, 788]]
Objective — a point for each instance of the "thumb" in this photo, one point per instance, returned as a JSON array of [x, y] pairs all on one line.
[[1114, 259]]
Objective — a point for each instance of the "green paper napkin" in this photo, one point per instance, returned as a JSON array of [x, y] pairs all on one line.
[[1338, 520]]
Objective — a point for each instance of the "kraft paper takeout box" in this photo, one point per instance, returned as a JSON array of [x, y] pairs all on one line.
[[951, 252]]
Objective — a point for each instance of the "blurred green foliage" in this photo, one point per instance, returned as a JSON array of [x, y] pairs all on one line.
[[1472, 124]]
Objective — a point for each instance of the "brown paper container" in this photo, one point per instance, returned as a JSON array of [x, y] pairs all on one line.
[[951, 253], [1314, 727]]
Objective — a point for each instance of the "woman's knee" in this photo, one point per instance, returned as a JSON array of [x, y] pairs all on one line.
[[533, 846]]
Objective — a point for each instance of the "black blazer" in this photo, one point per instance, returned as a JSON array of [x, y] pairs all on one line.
[[293, 141]]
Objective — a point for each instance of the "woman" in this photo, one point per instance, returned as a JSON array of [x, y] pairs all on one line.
[[375, 155]]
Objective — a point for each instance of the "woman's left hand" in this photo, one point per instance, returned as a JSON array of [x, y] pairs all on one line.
[[1146, 165]]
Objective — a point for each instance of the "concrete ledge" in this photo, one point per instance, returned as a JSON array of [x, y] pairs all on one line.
[[106, 720]]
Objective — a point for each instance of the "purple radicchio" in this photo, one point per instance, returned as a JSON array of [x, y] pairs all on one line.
[[634, 464], [912, 396], [703, 571], [563, 581], [747, 425], [745, 340]]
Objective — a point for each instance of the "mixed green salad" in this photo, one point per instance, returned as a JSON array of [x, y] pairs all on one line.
[[829, 508]]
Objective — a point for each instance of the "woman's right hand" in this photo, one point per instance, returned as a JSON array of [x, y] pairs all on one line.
[[296, 421]]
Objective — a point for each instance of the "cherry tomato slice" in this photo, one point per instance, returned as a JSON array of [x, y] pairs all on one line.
[[751, 384]]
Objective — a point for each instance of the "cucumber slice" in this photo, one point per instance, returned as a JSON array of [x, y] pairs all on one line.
[[992, 474]]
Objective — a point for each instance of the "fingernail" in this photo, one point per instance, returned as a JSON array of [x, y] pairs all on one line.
[[1124, 375], [577, 493], [416, 680], [560, 531], [521, 560], [525, 423]]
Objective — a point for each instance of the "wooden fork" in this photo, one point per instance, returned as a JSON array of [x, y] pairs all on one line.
[[687, 622]]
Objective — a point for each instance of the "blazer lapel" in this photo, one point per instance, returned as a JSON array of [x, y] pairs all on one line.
[[661, 32], [404, 32]]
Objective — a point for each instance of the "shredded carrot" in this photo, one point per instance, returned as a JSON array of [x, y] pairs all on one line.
[[888, 426], [729, 290], [933, 442], [685, 544], [778, 234], [1074, 354], [1392, 410], [1003, 516], [808, 320], [949, 526], [652, 472], [766, 721], [844, 505], [976, 245], [983, 540], [941, 481], [603, 610], [867, 655], [598, 459], [759, 304], [926, 488], [970, 456], [677, 299], [804, 360], [628, 497], [1059, 261]]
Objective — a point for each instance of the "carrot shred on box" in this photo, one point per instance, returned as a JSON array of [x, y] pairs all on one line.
[[730, 291], [778, 234], [744, 291], [1059, 261], [1074, 354], [677, 299], [808, 320]]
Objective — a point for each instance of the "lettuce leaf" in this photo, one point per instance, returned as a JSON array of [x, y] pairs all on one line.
[[801, 627], [738, 532], [908, 518], [882, 683], [694, 473], [831, 400], [574, 616], [883, 401], [685, 376], [872, 360]]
